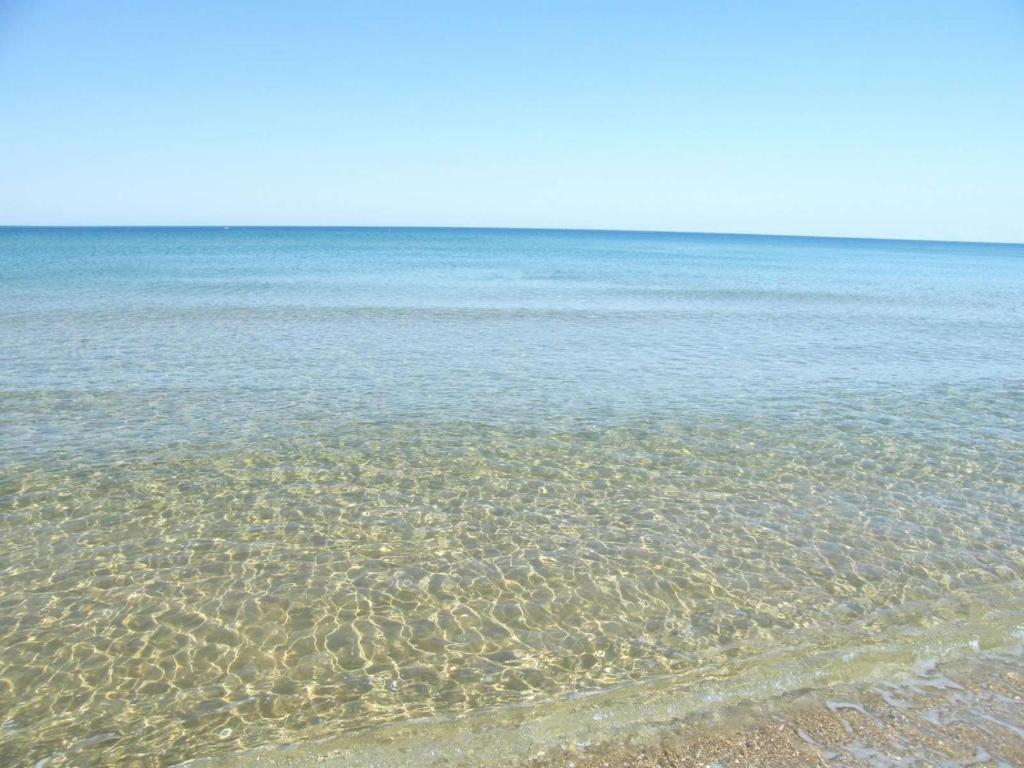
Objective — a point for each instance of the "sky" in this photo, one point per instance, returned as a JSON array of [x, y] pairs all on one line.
[[901, 118]]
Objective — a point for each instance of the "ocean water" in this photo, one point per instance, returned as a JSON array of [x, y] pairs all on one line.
[[267, 486]]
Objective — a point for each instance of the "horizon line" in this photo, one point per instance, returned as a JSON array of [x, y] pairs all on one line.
[[599, 230]]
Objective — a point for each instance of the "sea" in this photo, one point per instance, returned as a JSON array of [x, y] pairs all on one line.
[[470, 495]]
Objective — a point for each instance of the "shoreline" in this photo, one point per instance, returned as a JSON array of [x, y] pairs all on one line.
[[966, 711]]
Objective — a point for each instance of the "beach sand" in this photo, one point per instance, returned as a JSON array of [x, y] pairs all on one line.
[[961, 715]]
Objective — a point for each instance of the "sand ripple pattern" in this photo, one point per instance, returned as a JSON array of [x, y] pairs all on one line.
[[153, 611]]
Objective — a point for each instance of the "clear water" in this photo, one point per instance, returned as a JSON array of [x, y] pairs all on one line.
[[271, 485]]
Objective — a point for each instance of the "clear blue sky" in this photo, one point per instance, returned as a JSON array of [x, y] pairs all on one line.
[[902, 118]]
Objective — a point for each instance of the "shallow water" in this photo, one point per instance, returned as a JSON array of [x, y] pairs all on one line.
[[265, 486]]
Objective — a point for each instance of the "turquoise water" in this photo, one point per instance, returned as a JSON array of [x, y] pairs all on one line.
[[270, 485]]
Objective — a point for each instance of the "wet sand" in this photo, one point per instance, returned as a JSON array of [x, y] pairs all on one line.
[[956, 715]]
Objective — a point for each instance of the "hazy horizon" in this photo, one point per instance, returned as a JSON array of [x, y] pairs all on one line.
[[484, 228]]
